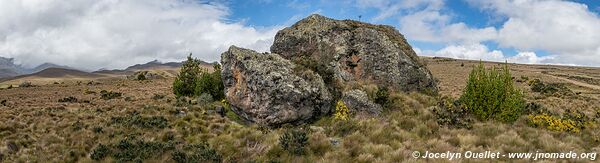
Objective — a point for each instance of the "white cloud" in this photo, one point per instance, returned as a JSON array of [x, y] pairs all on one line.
[[568, 31], [434, 26], [557, 26], [529, 58], [428, 21], [388, 8], [92, 34], [478, 51], [469, 51]]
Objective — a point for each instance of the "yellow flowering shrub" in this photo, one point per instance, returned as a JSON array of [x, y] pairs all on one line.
[[224, 102], [341, 111], [553, 123]]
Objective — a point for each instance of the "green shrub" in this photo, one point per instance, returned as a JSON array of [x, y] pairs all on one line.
[[141, 76], [198, 153], [107, 95], [134, 150], [26, 84], [534, 108], [490, 94], [210, 83], [548, 88], [320, 67], [185, 83], [97, 129], [294, 141], [70, 99], [450, 113], [382, 96], [194, 81], [100, 152]]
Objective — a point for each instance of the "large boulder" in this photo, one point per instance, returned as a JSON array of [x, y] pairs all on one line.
[[353, 51], [269, 90]]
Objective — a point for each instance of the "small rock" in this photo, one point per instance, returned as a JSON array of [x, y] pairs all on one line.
[[220, 110], [181, 113], [317, 129], [12, 146], [334, 141]]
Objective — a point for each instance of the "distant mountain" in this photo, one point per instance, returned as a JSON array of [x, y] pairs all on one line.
[[48, 65], [156, 65], [60, 72], [9, 69]]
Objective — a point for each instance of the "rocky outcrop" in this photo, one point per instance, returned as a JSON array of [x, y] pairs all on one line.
[[269, 90], [354, 52], [358, 102], [315, 61]]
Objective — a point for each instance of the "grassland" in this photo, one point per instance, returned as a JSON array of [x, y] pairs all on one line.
[[147, 123]]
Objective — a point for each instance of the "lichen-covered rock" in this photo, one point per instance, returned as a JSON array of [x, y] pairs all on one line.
[[358, 102], [354, 51], [269, 90]]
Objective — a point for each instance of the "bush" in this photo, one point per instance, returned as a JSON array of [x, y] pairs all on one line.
[[70, 99], [341, 111], [553, 123], [107, 95], [199, 153], [100, 152], [548, 88], [194, 81], [451, 114], [211, 83], [185, 83], [26, 84], [135, 150], [204, 99], [294, 141], [382, 96], [490, 94], [141, 76], [320, 67]]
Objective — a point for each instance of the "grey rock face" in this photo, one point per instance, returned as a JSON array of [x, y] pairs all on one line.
[[358, 102], [355, 51], [269, 90]]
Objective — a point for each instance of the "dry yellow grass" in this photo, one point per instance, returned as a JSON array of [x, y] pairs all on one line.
[[45, 130]]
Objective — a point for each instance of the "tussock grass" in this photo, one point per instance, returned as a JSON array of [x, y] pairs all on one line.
[[152, 130]]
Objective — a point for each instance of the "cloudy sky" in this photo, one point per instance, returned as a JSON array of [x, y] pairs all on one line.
[[93, 34]]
